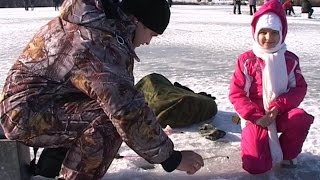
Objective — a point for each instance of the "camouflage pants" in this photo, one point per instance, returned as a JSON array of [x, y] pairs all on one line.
[[81, 126]]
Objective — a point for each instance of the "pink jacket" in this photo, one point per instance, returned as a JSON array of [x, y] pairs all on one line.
[[246, 84]]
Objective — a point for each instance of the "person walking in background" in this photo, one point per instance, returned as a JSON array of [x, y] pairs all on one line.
[[26, 5], [32, 4], [266, 90], [252, 6], [56, 4], [306, 7], [288, 7], [73, 87], [236, 5]]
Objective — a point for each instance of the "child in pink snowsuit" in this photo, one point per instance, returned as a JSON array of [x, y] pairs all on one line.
[[266, 90]]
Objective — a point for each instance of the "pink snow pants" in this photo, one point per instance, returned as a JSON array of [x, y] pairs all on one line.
[[255, 152]]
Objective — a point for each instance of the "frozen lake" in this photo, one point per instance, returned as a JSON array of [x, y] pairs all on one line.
[[199, 50]]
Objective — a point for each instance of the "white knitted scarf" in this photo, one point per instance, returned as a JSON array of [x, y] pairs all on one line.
[[274, 75]]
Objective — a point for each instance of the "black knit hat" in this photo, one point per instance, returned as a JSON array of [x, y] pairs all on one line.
[[154, 14]]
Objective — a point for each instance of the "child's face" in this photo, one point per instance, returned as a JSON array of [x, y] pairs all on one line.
[[268, 38]]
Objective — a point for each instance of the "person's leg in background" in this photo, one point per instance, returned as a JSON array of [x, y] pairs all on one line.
[[239, 7], [26, 5], [310, 13], [234, 7], [292, 10]]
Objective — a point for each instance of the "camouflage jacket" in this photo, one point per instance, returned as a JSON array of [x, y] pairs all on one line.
[[83, 51]]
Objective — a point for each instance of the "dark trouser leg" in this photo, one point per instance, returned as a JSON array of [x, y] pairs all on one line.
[[56, 6], [239, 7], [310, 13], [252, 9], [26, 5], [234, 8]]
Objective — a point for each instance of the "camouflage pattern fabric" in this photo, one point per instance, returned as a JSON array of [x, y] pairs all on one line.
[[73, 87], [175, 106]]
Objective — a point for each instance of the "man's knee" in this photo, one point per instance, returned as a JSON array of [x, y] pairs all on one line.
[[15, 133]]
